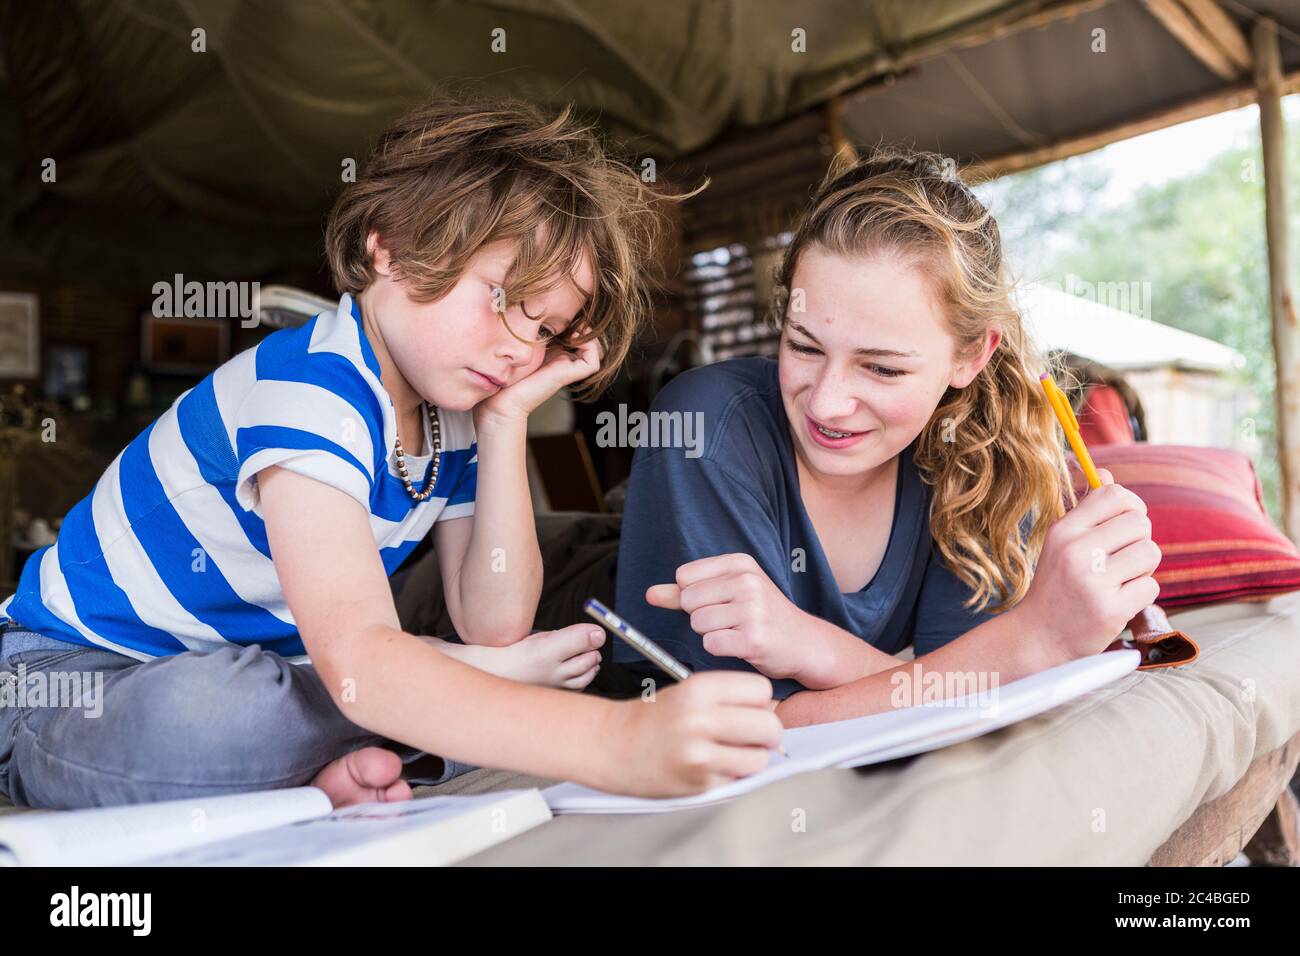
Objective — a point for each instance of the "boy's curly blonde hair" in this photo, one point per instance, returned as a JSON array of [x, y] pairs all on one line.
[[458, 173], [989, 451]]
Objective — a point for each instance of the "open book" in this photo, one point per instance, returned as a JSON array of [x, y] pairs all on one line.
[[293, 827], [884, 736]]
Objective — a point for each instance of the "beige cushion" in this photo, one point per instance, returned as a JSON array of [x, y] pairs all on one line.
[[1103, 780]]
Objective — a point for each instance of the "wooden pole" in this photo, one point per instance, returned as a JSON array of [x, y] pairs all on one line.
[[1286, 334], [839, 143]]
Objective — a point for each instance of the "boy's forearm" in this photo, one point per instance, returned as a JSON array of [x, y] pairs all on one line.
[[1006, 648], [501, 580], [395, 685]]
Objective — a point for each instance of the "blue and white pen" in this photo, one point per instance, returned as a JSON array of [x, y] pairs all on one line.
[[622, 628], [649, 648]]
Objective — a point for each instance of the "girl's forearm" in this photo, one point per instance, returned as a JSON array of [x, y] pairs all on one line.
[[395, 685], [501, 580], [841, 656], [1005, 648]]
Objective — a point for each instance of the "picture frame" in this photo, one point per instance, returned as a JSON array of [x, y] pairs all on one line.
[[20, 339], [183, 346], [67, 369]]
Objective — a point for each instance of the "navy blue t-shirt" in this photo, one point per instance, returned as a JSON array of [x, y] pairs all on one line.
[[741, 494]]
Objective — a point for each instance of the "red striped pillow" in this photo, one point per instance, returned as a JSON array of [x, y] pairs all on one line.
[[1207, 515]]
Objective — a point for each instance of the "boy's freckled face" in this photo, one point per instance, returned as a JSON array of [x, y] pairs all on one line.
[[456, 352], [878, 401]]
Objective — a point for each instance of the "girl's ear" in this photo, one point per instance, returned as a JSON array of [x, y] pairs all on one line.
[[964, 372]]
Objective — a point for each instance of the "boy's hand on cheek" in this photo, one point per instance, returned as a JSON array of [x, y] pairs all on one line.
[[560, 368]]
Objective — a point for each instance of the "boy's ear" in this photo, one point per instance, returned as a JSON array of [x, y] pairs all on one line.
[[378, 254], [965, 372]]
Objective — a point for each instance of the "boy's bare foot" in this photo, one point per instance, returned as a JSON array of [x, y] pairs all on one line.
[[568, 658], [368, 775]]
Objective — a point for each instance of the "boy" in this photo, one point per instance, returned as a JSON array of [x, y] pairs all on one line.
[[226, 579]]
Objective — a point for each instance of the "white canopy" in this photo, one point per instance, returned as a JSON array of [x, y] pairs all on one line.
[[1105, 322]]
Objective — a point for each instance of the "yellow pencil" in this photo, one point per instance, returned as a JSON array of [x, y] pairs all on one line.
[[1070, 425]]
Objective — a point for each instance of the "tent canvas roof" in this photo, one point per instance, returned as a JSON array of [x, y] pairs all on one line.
[[225, 161]]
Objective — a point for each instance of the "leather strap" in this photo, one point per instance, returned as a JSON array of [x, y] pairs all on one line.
[[1160, 644]]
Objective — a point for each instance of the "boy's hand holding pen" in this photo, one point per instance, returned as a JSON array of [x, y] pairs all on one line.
[[656, 654]]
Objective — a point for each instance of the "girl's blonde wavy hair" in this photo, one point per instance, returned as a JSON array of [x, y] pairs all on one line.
[[989, 451], [461, 171]]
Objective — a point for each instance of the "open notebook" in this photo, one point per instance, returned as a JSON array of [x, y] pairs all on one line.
[[292, 827], [883, 736]]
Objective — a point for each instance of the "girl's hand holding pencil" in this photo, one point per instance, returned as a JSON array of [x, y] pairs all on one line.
[[1095, 570]]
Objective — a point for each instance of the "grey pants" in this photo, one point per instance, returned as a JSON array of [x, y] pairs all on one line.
[[84, 727]]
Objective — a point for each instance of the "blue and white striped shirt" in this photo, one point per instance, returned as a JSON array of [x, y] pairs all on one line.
[[168, 553]]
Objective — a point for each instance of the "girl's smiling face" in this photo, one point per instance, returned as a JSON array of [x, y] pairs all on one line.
[[867, 358], [456, 351]]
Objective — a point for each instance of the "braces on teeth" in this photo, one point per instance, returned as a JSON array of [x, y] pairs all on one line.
[[830, 434]]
